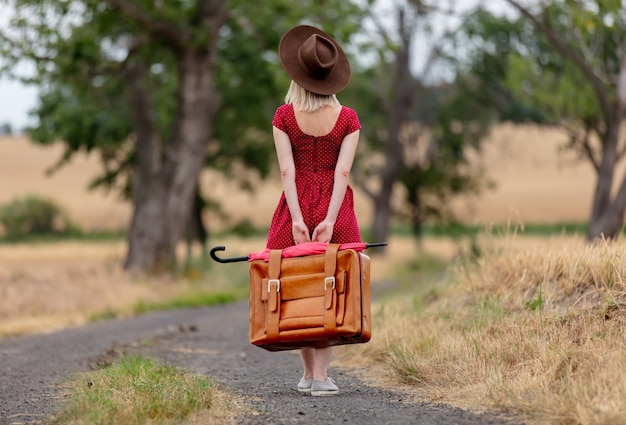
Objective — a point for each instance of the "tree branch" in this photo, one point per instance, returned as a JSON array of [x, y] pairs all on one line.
[[581, 144], [621, 87], [212, 14], [570, 54], [588, 150], [166, 30], [381, 30], [208, 9], [360, 182], [621, 101]]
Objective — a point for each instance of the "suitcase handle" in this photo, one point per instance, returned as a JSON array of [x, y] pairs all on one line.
[[245, 257]]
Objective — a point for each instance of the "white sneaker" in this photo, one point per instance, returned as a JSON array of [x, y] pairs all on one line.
[[321, 388], [304, 386]]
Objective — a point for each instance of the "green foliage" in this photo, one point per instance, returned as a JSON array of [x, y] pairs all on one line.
[[539, 79], [33, 216], [243, 228], [536, 303], [488, 67]]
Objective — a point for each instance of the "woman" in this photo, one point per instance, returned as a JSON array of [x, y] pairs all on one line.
[[316, 139]]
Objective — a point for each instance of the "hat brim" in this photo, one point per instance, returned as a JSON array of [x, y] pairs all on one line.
[[336, 80]]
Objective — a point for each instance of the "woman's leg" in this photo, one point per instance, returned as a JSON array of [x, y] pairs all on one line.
[[315, 362], [321, 363], [322, 385], [307, 355]]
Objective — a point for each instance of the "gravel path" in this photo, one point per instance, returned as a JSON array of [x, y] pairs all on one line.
[[210, 341]]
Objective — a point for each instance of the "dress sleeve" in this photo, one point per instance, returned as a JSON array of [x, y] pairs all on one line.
[[279, 120], [352, 121]]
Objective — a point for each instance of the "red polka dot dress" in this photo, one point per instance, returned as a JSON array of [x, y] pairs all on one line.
[[315, 159]]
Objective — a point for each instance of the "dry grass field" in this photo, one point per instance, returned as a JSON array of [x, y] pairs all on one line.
[[44, 287], [535, 326], [535, 182]]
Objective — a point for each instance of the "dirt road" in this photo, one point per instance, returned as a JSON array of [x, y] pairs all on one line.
[[210, 341]]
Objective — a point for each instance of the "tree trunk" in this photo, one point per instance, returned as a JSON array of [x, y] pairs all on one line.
[[382, 216], [402, 101], [163, 205], [601, 221], [607, 215], [195, 230]]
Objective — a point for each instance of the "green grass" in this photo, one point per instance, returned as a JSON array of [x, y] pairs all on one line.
[[194, 300], [137, 391], [456, 230], [453, 230], [112, 236], [191, 300], [103, 316]]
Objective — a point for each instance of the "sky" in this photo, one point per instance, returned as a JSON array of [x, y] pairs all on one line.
[[15, 102], [16, 99]]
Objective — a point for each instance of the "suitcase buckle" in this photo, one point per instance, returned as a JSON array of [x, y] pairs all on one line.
[[269, 284], [329, 280]]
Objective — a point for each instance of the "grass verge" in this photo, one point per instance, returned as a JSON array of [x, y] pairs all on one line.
[[531, 326], [138, 390]]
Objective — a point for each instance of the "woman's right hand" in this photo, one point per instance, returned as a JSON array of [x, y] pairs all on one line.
[[300, 232], [323, 232]]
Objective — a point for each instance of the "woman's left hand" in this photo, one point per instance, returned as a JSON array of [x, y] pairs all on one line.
[[300, 232], [323, 232]]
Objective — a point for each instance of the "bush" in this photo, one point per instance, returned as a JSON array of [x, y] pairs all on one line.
[[33, 216], [243, 228]]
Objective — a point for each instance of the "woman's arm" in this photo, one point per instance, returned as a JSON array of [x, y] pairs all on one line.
[[288, 178], [324, 231]]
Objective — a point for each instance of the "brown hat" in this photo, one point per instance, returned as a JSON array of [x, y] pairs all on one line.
[[314, 60]]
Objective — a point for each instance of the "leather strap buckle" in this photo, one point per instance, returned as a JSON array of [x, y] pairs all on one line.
[[276, 281], [331, 280]]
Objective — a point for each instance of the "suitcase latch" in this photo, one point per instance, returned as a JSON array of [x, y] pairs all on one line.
[[330, 280], [276, 281]]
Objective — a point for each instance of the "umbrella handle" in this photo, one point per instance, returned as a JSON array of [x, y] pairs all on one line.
[[375, 245], [225, 260]]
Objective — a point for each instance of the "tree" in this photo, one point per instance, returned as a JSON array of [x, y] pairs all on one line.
[[435, 162], [142, 83], [418, 129], [5, 129], [567, 61]]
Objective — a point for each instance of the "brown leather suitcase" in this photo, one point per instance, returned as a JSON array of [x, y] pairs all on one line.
[[312, 301]]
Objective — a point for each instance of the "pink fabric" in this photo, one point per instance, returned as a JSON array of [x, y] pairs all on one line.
[[309, 248]]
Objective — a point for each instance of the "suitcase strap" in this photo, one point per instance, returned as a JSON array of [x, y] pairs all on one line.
[[273, 299], [330, 293]]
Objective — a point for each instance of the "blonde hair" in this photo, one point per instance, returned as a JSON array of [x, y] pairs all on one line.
[[308, 101]]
